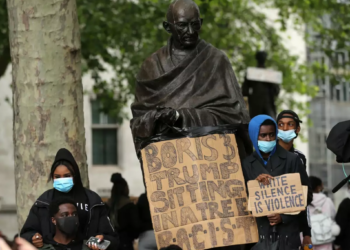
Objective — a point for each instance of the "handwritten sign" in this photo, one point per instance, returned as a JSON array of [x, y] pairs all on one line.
[[197, 193], [305, 189], [284, 195]]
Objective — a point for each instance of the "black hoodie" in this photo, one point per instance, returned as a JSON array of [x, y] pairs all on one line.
[[96, 218], [78, 191]]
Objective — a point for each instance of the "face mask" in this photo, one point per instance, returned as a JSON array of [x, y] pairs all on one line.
[[63, 184], [266, 146], [286, 136], [68, 225]]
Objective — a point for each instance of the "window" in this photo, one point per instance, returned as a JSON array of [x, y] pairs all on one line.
[[104, 137]]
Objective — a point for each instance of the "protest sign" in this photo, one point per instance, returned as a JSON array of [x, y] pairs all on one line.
[[197, 193], [305, 188], [284, 195]]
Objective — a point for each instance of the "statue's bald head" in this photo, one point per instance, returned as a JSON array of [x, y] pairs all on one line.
[[184, 23], [183, 8]]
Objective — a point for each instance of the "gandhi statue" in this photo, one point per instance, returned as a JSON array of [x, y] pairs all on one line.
[[187, 83]]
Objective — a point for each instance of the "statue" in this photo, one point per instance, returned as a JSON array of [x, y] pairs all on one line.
[[263, 92], [187, 83]]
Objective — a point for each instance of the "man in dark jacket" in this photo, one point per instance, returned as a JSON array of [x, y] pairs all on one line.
[[64, 215], [288, 129], [267, 161]]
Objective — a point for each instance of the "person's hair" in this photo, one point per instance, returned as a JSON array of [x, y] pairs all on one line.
[[261, 57], [171, 247], [118, 191], [55, 205], [315, 182], [268, 122], [59, 163]]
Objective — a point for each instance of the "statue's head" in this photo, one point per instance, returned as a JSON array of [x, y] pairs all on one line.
[[184, 23]]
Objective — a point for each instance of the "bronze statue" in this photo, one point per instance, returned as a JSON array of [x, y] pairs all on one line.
[[187, 83], [261, 94]]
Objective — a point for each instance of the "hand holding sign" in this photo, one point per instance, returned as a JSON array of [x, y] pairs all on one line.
[[264, 179]]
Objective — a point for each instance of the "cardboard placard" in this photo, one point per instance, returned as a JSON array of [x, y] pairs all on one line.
[[305, 189], [284, 195], [264, 75], [197, 193]]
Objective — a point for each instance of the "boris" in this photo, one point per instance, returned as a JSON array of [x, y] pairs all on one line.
[[172, 153]]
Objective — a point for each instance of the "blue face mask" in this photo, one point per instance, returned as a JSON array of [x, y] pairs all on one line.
[[266, 146], [63, 184], [287, 136]]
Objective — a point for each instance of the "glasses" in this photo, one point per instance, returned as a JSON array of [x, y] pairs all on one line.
[[196, 25]]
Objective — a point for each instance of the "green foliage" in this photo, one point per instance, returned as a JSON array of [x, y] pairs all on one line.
[[133, 31], [117, 36], [328, 32]]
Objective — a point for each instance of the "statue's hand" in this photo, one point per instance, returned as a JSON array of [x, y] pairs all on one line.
[[167, 115]]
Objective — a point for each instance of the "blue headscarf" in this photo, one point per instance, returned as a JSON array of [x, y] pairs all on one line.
[[254, 129]]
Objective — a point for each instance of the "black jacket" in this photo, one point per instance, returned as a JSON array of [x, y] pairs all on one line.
[[343, 220], [128, 226], [39, 220], [144, 213], [281, 162], [304, 227]]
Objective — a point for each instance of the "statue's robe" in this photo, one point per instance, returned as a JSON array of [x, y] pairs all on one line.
[[202, 88]]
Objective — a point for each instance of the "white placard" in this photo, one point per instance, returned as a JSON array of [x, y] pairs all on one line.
[[264, 75]]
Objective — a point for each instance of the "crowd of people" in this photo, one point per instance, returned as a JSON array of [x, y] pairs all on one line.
[[67, 215]]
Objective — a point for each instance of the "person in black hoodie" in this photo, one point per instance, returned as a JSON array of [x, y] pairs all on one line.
[[93, 215], [123, 213], [288, 130]]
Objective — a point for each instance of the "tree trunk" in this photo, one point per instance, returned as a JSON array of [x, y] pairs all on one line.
[[47, 93]]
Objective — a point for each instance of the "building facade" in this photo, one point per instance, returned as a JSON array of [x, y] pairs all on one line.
[[329, 107]]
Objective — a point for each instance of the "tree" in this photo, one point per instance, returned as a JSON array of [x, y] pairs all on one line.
[[47, 93], [328, 33], [119, 35]]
